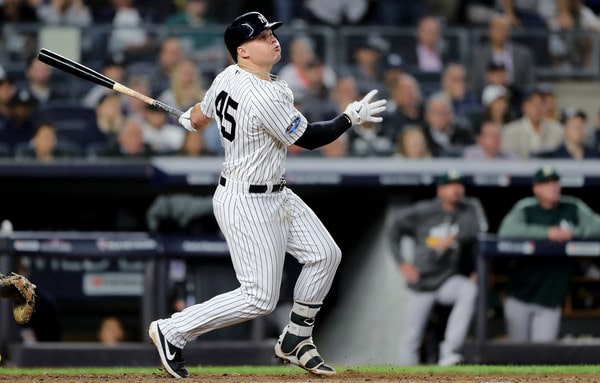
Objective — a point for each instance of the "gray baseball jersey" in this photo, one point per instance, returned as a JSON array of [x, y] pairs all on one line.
[[260, 218]]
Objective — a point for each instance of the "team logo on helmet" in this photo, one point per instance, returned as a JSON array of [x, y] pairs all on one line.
[[262, 18], [293, 125]]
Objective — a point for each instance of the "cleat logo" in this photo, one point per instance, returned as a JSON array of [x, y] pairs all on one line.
[[168, 354]]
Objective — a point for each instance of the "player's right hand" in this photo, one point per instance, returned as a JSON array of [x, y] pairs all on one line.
[[365, 110], [185, 120]]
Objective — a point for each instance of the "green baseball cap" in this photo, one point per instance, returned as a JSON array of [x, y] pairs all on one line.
[[451, 176], [545, 174]]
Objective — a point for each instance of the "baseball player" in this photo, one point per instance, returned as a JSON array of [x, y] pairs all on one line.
[[259, 216]]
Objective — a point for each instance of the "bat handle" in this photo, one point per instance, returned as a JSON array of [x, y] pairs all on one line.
[[118, 87], [167, 108]]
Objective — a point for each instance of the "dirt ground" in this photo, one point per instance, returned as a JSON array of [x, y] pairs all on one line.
[[344, 377]]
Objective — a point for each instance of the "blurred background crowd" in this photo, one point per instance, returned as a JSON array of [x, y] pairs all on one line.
[[464, 78]]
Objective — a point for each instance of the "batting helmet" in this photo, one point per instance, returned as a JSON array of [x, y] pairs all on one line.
[[244, 28]]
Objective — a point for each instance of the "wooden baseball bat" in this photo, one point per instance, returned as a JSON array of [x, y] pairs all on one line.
[[82, 71]]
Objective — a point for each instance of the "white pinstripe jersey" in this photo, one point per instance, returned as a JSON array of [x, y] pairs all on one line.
[[257, 122]]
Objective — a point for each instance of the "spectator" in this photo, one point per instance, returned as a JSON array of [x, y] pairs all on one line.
[[529, 13], [495, 74], [128, 36], [294, 73], [7, 90], [17, 43], [445, 137], [39, 82], [393, 68], [444, 230], [111, 331], [574, 147], [517, 59], [428, 55], [65, 12], [337, 12], [185, 25], [398, 12], [108, 122], [537, 288], [21, 122], [495, 103], [44, 145], [411, 143], [162, 137], [405, 107], [129, 143], [113, 67], [593, 135], [487, 146], [132, 107], [574, 21], [186, 86], [551, 109], [316, 103], [193, 14], [17, 11], [532, 134], [368, 63], [169, 55], [464, 102]]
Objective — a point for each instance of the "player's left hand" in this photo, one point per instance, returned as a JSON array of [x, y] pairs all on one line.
[[365, 110], [185, 120]]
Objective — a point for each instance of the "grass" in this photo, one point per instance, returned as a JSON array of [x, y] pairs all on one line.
[[259, 370]]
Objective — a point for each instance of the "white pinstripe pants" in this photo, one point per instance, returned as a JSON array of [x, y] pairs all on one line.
[[259, 230]]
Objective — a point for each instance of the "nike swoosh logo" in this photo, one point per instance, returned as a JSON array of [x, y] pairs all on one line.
[[358, 110], [168, 354]]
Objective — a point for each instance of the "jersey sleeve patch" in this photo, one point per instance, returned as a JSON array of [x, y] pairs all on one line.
[[294, 124]]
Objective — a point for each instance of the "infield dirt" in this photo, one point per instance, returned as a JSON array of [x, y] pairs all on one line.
[[344, 377]]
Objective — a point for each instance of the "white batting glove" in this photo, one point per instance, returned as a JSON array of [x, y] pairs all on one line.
[[364, 110], [185, 120]]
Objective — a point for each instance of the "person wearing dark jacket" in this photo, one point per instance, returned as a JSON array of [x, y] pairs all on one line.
[[444, 230]]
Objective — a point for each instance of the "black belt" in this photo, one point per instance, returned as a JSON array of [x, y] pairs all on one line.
[[258, 188]]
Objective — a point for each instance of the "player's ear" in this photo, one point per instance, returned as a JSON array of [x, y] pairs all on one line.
[[242, 52]]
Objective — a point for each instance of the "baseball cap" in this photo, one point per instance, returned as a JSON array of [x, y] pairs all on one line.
[[571, 112], [374, 42], [546, 173], [451, 176], [22, 97], [393, 61], [491, 93]]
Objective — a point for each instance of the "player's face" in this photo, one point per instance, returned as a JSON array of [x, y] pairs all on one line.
[[264, 49], [548, 193], [451, 193]]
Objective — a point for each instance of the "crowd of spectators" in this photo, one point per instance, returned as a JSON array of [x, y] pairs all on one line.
[[489, 104]]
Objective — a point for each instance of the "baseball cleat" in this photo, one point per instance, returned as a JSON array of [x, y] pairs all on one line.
[[306, 356], [170, 356]]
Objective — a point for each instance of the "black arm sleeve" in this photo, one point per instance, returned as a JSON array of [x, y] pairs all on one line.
[[322, 133]]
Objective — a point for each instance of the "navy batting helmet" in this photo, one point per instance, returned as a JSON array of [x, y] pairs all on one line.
[[244, 28]]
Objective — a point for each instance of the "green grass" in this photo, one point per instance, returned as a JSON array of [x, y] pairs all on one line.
[[467, 369]]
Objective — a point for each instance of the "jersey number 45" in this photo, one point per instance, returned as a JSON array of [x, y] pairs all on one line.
[[223, 105]]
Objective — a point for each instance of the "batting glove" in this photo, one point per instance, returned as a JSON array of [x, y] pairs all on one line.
[[365, 110], [185, 120]]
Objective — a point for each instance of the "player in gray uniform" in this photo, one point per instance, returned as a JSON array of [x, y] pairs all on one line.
[[260, 217]]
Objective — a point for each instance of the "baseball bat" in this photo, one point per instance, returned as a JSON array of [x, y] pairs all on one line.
[[67, 65]]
